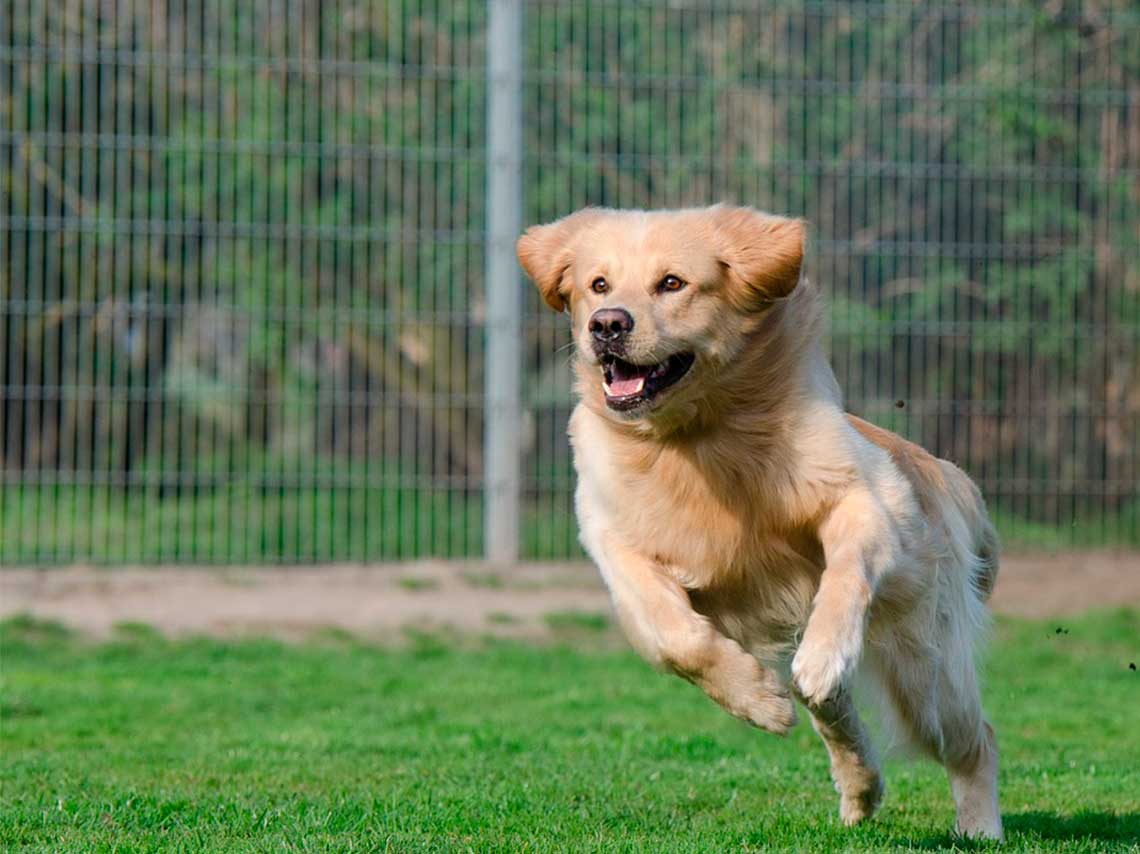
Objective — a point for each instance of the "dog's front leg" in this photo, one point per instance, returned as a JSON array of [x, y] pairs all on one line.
[[659, 620], [859, 545]]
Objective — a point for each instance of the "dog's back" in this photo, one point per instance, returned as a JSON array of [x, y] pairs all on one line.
[[940, 486]]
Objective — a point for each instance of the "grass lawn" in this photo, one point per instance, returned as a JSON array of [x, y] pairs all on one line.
[[146, 744], [240, 524]]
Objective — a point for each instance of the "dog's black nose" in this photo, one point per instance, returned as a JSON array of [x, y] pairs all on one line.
[[610, 324]]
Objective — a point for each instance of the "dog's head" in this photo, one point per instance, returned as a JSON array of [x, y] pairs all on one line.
[[659, 298]]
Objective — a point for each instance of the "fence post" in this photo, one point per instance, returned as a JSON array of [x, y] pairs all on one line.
[[502, 370]]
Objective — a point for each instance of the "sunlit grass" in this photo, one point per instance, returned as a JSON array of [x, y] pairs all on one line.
[[147, 744]]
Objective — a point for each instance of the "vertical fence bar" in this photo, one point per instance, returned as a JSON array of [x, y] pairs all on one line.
[[503, 414]]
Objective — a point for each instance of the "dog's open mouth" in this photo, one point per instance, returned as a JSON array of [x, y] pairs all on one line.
[[627, 385]]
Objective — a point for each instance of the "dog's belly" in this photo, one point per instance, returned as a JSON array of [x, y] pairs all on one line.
[[764, 603]]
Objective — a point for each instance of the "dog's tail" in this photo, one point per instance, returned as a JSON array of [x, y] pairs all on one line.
[[985, 544]]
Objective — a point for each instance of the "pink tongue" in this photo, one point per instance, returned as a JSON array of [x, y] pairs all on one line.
[[627, 379], [624, 386]]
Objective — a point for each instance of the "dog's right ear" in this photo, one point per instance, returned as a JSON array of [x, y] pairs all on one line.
[[546, 254]]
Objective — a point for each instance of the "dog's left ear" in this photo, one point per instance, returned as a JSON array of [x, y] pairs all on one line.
[[762, 253], [546, 254]]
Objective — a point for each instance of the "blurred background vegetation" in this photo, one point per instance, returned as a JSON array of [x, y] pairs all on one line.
[[241, 256]]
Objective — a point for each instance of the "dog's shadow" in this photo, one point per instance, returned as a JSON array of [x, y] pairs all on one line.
[[1101, 826], [1048, 827]]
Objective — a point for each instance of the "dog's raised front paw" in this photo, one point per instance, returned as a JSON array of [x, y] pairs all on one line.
[[821, 668], [761, 698], [771, 712]]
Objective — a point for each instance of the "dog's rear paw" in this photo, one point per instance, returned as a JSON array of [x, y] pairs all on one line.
[[985, 830], [859, 804]]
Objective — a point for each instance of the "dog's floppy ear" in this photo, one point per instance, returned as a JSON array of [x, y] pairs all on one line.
[[545, 253], [761, 252]]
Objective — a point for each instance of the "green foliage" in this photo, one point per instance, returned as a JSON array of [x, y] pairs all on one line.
[[201, 745], [256, 235]]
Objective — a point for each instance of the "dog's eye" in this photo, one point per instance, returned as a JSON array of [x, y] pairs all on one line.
[[599, 285], [670, 283]]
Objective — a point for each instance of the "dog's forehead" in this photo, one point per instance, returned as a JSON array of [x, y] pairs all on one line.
[[632, 243]]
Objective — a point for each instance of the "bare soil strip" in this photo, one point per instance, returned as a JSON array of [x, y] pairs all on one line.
[[388, 600]]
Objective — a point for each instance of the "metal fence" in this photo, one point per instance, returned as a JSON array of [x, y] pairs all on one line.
[[243, 258]]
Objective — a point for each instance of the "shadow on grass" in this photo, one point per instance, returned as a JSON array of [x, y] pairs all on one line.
[[1038, 829], [1104, 826]]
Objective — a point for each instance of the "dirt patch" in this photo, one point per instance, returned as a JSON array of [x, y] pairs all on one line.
[[376, 601], [531, 601], [1049, 585]]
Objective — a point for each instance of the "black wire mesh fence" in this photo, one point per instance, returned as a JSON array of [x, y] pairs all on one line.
[[242, 307]]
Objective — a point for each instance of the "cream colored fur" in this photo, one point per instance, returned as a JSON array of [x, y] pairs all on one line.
[[745, 523]]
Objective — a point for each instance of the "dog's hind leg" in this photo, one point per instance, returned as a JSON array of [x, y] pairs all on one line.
[[973, 771], [934, 692], [854, 766]]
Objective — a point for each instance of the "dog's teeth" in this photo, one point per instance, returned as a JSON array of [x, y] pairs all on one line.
[[640, 385], [606, 388]]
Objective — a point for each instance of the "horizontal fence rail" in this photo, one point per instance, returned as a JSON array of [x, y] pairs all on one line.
[[245, 310]]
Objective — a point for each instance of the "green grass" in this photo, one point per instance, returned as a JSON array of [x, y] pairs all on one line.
[[1089, 531], [485, 580], [144, 744], [238, 524], [232, 525], [418, 585], [577, 621]]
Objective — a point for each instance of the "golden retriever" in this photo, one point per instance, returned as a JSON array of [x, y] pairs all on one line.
[[741, 519]]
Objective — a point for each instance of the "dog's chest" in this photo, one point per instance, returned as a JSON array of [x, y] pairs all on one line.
[[712, 534]]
